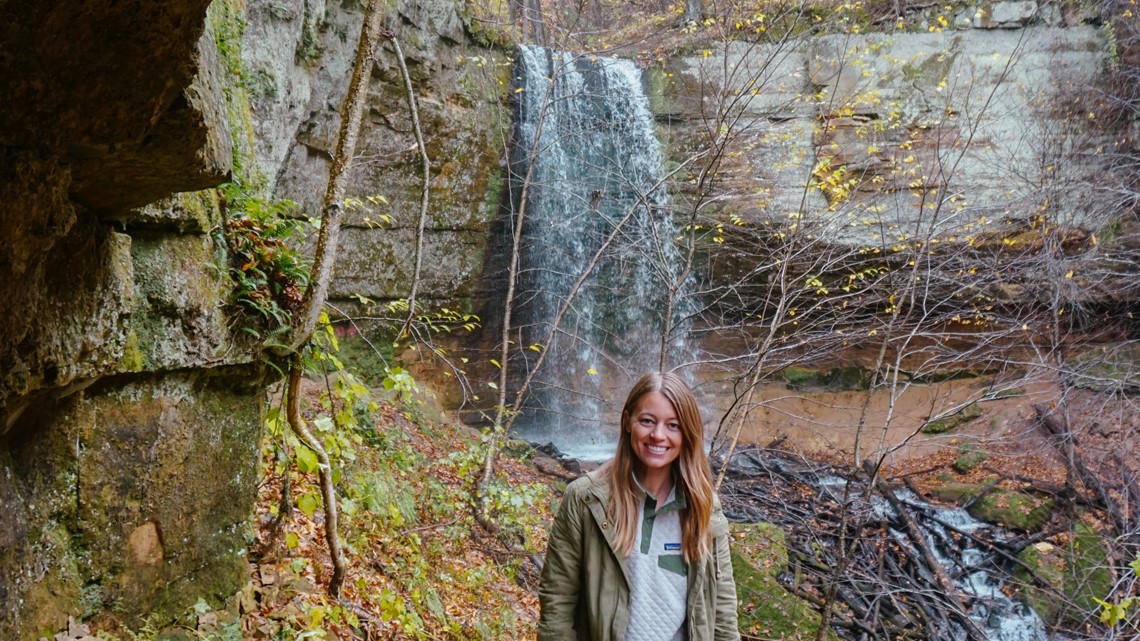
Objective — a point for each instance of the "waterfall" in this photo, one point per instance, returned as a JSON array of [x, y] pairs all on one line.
[[584, 133]]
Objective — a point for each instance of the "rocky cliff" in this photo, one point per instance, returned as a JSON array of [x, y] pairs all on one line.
[[298, 54], [130, 394], [129, 402]]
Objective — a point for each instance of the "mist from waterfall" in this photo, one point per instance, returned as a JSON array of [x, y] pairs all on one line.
[[584, 132]]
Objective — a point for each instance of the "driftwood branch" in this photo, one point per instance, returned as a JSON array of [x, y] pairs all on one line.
[[891, 585], [945, 583], [1054, 422]]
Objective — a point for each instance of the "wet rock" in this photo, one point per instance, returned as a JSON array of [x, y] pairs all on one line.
[[1014, 510], [1010, 509], [1005, 15], [1074, 576]]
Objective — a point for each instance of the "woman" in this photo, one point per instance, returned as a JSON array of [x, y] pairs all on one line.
[[639, 549]]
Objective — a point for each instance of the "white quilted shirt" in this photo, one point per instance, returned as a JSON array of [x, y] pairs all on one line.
[[657, 573]]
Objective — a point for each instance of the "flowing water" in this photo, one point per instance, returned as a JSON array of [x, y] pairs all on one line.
[[585, 153], [759, 491], [999, 617]]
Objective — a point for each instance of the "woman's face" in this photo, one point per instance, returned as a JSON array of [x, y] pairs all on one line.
[[655, 432]]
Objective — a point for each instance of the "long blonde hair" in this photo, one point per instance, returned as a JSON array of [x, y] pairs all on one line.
[[691, 468]]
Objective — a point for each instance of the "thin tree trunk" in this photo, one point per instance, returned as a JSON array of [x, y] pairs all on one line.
[[426, 182], [332, 211], [317, 292], [328, 492]]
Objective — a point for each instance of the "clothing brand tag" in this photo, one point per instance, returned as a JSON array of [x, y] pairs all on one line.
[[672, 547]]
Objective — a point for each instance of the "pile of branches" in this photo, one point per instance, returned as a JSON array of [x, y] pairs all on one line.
[[869, 569]]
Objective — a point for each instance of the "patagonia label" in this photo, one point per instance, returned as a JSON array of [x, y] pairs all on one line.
[[672, 547]]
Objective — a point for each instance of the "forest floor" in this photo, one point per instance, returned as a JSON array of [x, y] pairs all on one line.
[[419, 567]]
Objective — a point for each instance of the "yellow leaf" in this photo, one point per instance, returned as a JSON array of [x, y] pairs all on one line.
[[592, 371]]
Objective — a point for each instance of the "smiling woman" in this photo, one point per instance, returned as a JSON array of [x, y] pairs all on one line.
[[639, 549], [655, 435]]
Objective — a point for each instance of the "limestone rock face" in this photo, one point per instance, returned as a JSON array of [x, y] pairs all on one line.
[[130, 405], [462, 113], [107, 85], [933, 92], [844, 135], [133, 496], [1006, 15]]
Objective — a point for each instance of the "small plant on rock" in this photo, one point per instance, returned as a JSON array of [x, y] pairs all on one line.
[[269, 276]]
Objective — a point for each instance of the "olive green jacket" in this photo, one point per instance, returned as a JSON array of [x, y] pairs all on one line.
[[584, 591]]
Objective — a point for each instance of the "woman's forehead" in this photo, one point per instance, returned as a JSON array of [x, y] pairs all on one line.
[[654, 403]]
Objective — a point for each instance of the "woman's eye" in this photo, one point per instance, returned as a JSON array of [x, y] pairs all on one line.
[[645, 420], [674, 426]]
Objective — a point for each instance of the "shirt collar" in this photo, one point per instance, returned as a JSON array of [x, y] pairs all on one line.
[[674, 501]]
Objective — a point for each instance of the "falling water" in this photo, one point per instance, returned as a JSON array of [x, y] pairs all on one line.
[[585, 136]]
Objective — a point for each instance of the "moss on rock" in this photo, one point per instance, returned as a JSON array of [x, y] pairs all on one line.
[[969, 457], [766, 609], [1041, 579], [943, 425], [836, 378], [1011, 509], [1087, 576], [1061, 583], [1014, 510]]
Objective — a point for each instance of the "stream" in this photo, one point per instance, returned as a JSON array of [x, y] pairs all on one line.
[[891, 587]]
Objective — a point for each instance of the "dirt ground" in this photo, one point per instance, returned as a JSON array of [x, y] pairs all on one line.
[[826, 425]]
